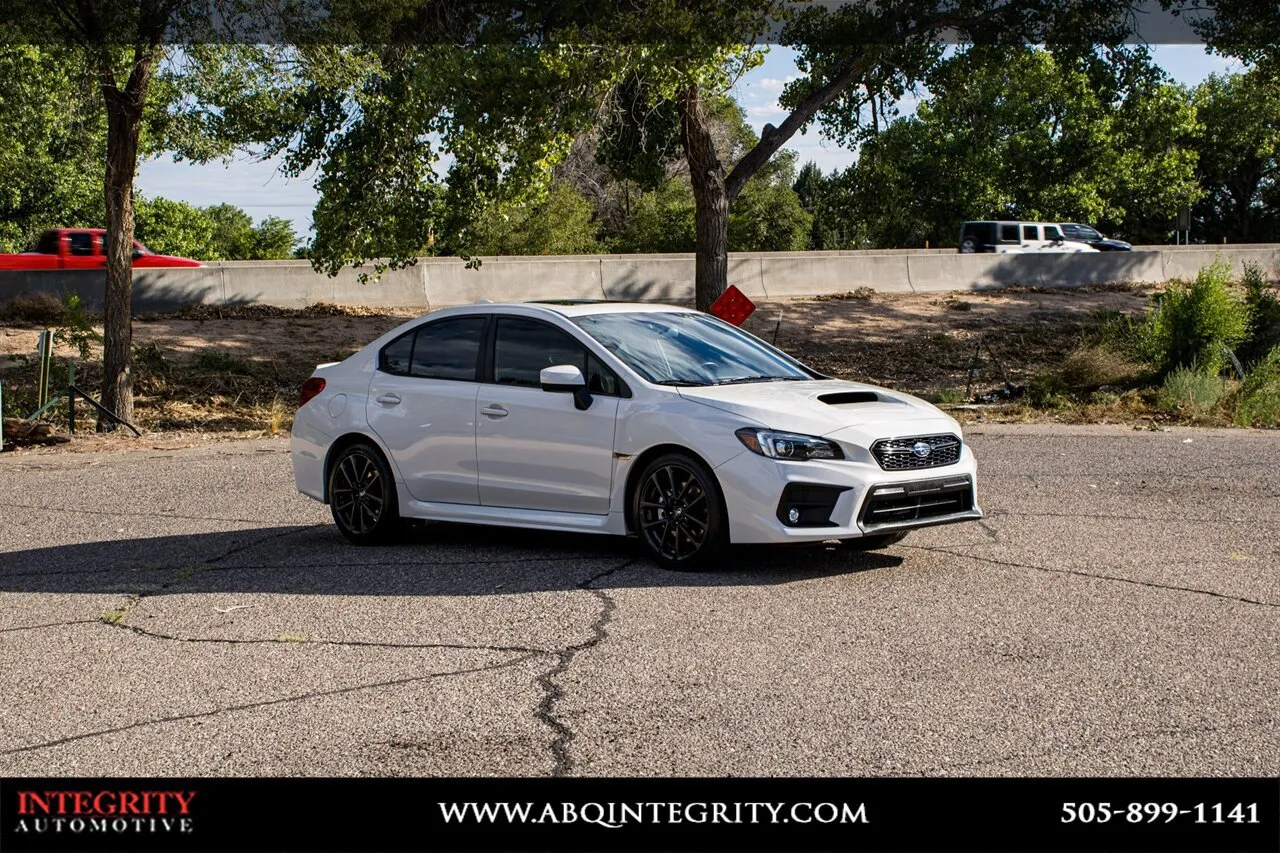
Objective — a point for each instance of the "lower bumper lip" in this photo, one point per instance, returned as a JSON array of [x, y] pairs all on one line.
[[919, 503]]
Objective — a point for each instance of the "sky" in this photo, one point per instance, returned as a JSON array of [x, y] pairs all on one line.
[[257, 186]]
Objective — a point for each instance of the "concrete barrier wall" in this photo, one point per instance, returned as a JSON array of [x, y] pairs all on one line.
[[436, 282]]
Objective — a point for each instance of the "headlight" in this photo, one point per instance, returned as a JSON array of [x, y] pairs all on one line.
[[787, 445]]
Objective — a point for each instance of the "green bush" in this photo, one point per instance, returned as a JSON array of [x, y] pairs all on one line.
[[1258, 403], [1048, 391], [1193, 389], [1263, 310], [1195, 324]]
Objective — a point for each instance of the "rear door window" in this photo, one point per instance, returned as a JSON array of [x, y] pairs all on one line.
[[1009, 233], [48, 244], [443, 349], [448, 349], [1030, 232]]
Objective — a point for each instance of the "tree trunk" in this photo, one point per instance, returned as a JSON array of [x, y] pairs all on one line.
[[124, 118], [711, 201]]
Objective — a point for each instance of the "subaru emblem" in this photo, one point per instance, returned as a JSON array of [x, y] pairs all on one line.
[[921, 449]]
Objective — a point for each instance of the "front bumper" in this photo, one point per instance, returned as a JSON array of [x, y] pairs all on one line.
[[862, 497]]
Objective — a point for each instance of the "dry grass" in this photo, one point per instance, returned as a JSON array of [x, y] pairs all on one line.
[[32, 309], [1091, 367]]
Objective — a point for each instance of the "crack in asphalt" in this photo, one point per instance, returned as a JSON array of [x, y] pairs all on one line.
[[552, 692], [50, 625], [264, 703], [115, 618], [1078, 573], [356, 644]]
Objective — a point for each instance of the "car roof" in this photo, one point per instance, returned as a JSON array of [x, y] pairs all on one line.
[[573, 307]]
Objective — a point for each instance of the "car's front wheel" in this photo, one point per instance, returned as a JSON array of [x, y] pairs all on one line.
[[678, 513], [362, 495]]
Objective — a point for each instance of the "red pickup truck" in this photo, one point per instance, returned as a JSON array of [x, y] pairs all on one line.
[[82, 248]]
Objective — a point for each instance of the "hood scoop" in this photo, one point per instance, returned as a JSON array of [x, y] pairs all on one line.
[[841, 398]]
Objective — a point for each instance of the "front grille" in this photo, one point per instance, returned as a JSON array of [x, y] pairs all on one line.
[[920, 501], [902, 454]]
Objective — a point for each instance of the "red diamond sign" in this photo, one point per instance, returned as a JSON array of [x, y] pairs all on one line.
[[733, 306]]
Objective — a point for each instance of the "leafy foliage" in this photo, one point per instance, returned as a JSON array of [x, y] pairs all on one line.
[[1263, 309], [1018, 133], [1195, 324], [1239, 157], [562, 225], [1193, 389], [221, 232], [52, 143], [1258, 401]]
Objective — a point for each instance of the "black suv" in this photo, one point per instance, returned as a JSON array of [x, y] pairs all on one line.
[[1085, 234]]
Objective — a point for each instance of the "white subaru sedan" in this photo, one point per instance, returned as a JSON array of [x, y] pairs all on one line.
[[662, 423]]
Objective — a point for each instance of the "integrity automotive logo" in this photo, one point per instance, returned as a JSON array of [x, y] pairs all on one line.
[[104, 812]]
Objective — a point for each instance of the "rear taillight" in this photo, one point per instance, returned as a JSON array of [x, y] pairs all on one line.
[[310, 388]]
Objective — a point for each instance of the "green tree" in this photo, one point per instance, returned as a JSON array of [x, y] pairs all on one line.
[[661, 221], [175, 228], [1239, 155], [52, 142], [273, 239], [769, 216], [232, 231], [124, 47], [560, 225], [1018, 132]]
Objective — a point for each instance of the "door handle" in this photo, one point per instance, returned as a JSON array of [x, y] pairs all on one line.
[[494, 411], [388, 399]]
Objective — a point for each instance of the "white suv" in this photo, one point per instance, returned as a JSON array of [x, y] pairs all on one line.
[[1017, 237]]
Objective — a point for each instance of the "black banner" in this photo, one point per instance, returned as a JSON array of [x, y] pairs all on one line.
[[640, 814]]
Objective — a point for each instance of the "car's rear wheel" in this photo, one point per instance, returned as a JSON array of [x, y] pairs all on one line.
[[679, 513], [876, 542], [969, 246], [362, 495]]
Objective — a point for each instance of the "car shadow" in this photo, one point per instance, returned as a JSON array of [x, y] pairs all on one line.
[[432, 559]]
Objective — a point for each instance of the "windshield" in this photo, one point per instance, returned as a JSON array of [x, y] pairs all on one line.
[[689, 349]]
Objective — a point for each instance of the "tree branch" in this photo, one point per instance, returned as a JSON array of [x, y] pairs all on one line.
[[770, 142]]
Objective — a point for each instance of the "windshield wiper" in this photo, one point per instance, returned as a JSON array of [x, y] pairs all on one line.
[[680, 383], [742, 379]]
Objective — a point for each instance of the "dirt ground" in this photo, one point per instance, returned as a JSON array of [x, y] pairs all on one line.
[[237, 373]]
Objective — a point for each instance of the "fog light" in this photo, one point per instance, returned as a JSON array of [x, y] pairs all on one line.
[[793, 516]]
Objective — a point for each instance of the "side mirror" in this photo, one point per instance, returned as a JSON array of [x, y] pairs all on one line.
[[566, 379]]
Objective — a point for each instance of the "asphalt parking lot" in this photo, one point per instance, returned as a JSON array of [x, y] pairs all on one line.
[[185, 612]]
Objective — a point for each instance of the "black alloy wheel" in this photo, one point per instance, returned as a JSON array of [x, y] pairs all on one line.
[[678, 513], [362, 495]]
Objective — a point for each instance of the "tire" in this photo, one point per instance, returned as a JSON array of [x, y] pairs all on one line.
[[678, 513], [875, 543], [969, 246], [362, 495]]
